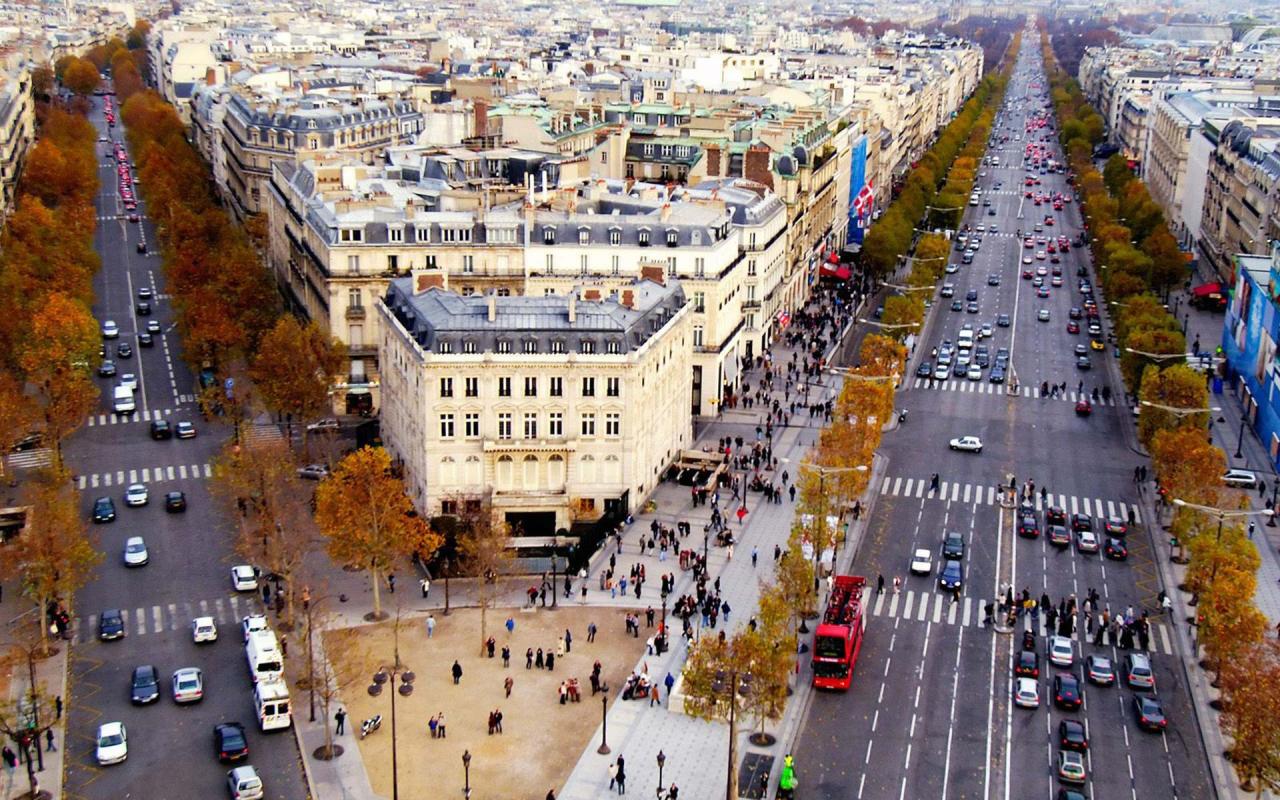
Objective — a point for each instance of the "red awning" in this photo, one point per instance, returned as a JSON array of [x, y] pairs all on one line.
[[836, 271], [1206, 289]]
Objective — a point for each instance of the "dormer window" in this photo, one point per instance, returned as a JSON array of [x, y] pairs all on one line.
[[469, 347], [504, 346], [351, 235], [615, 236], [423, 234], [584, 236], [557, 346], [395, 234], [586, 347], [673, 238], [531, 346], [444, 346], [613, 347], [643, 235], [548, 235]]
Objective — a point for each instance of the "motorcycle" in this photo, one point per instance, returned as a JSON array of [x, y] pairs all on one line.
[[902, 416], [370, 725]]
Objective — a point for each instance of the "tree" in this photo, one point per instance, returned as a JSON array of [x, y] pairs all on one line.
[[1229, 621], [1251, 714], [25, 718], [368, 520], [64, 337], [17, 412], [771, 650], [137, 38], [81, 77], [328, 677], [42, 82], [481, 539], [294, 367], [1178, 387], [1186, 465]]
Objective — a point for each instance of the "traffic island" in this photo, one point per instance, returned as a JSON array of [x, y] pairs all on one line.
[[541, 737]]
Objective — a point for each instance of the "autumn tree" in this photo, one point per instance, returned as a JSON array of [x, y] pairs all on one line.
[[1213, 553], [1186, 464], [770, 648], [56, 358], [294, 367], [481, 541], [1229, 621], [1251, 714], [17, 412], [1177, 387], [368, 520], [334, 661], [81, 77]]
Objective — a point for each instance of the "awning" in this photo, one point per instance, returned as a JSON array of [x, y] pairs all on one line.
[[835, 271], [1206, 289]]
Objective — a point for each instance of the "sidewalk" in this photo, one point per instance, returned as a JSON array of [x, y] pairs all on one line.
[[51, 677]]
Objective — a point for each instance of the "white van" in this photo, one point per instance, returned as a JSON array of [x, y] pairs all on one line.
[[262, 652], [122, 400], [271, 701], [965, 340]]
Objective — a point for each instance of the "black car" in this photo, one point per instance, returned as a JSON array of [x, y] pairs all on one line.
[[143, 308], [1054, 515], [1115, 549], [229, 742], [953, 546], [1149, 712], [124, 350], [107, 369], [1028, 527], [104, 510], [111, 625], [1069, 794], [145, 340], [1002, 321], [1081, 522], [29, 442], [957, 305], [924, 370], [160, 429], [175, 502], [1066, 692], [146, 685], [1028, 665], [1071, 735]]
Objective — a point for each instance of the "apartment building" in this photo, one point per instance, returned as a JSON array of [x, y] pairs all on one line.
[[17, 129], [552, 408], [1240, 192]]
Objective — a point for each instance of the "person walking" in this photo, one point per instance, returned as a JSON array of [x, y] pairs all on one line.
[[528, 658], [613, 775], [457, 672], [622, 779], [568, 641], [391, 584], [591, 632], [57, 705], [508, 685], [340, 717], [440, 730], [880, 584], [506, 656], [431, 625], [48, 740], [425, 585]]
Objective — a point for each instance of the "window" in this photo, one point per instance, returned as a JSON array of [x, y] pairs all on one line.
[[644, 238], [613, 387], [582, 264], [557, 346], [586, 346], [588, 387], [613, 347], [588, 424], [530, 425], [504, 425], [751, 267], [351, 235], [699, 301], [471, 425], [444, 347], [468, 264], [673, 239], [446, 387], [355, 298], [448, 507], [548, 235], [697, 336], [422, 234], [700, 267], [751, 293], [530, 386], [353, 264], [584, 236], [429, 262], [468, 347], [555, 423], [504, 387], [615, 236], [395, 234], [615, 265], [648, 148], [393, 263], [531, 346], [557, 386], [504, 346], [446, 426], [613, 424], [551, 263]]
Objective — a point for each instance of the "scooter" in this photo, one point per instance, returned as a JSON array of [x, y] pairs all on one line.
[[370, 725], [902, 416]]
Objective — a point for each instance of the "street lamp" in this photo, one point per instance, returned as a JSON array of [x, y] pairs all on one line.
[[887, 326], [823, 472], [1222, 514], [381, 677], [466, 767], [902, 288], [1177, 410], [603, 749], [662, 761]]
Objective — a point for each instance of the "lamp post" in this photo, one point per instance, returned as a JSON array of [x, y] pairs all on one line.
[[384, 676], [603, 749], [662, 761], [1222, 514], [466, 772], [1240, 441]]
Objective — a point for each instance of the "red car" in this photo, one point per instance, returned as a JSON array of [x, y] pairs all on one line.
[[1084, 408]]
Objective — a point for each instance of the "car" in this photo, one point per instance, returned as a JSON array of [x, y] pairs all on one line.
[[1071, 767], [993, 279], [175, 502], [1040, 256], [922, 562], [1081, 350], [145, 687], [112, 743], [143, 307], [972, 308], [243, 783], [104, 510], [107, 369], [1056, 281], [244, 578], [1149, 713], [1115, 549], [974, 372], [1026, 693], [133, 217], [997, 374], [1073, 327], [331, 423], [136, 495], [318, 472], [188, 685], [110, 330], [1083, 407], [1061, 652], [957, 305], [124, 350], [145, 293], [1081, 522], [1027, 664], [985, 331], [1138, 672], [952, 268], [184, 429], [1082, 363], [160, 429], [229, 741], [1042, 292], [1096, 343], [1240, 478], [1028, 527], [1066, 692], [953, 546], [252, 624], [1003, 321], [110, 625], [129, 380], [1098, 669], [970, 444], [153, 326], [941, 373], [1072, 736], [204, 629], [1043, 315], [951, 579], [1037, 282], [145, 340], [135, 552], [142, 248], [924, 370], [1087, 542]]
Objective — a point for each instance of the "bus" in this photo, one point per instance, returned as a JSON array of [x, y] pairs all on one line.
[[838, 639], [271, 702]]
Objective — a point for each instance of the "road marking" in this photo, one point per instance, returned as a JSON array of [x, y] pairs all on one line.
[[173, 617], [923, 608], [937, 610], [968, 606], [897, 483], [907, 605], [119, 477], [182, 471], [906, 490], [157, 619], [169, 472], [875, 611], [133, 476]]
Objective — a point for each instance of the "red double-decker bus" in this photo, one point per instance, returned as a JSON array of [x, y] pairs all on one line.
[[838, 638]]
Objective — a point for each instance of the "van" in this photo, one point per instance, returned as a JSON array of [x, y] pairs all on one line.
[[122, 400], [262, 652], [965, 340], [271, 701]]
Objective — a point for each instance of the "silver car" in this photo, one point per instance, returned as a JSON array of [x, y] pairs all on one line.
[[188, 685], [135, 552], [135, 495]]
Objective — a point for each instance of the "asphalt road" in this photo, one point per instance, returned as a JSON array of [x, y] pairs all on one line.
[[170, 746], [930, 713]]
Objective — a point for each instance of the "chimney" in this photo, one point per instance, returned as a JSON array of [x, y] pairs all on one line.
[[492, 297], [713, 160], [573, 307], [424, 280], [210, 76], [665, 213], [756, 165], [628, 298], [409, 210], [655, 273], [480, 111], [591, 294]]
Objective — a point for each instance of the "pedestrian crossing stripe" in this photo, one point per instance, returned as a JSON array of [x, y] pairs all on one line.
[[146, 475], [989, 495], [150, 415], [161, 618], [986, 387], [939, 608], [30, 459]]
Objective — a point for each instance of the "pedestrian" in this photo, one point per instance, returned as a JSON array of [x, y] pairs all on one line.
[[391, 584], [622, 780], [551, 795], [431, 625], [568, 641], [457, 672], [755, 556], [440, 724], [653, 695], [539, 659], [528, 658], [48, 739], [591, 632], [492, 724], [434, 725], [897, 584], [551, 661], [57, 705], [266, 594], [511, 626], [880, 584], [497, 720], [425, 585], [508, 685], [669, 682], [10, 759], [560, 647], [613, 774], [777, 549], [340, 717], [506, 657]]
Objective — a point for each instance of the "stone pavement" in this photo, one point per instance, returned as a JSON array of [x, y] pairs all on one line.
[[51, 677]]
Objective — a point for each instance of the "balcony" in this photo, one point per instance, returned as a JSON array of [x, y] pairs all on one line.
[[355, 313]]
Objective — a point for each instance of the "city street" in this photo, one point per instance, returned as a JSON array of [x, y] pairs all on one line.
[[190, 555], [931, 712]]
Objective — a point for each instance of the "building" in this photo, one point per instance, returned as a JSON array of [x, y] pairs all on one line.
[[552, 408], [1240, 192], [17, 131], [1250, 333]]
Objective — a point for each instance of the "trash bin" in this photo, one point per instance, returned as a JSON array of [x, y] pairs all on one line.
[[1217, 385]]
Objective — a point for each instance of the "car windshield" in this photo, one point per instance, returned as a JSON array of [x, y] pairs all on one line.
[[135, 547], [828, 647], [111, 739], [232, 739], [188, 682]]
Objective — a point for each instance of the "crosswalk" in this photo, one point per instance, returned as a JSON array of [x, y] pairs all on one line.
[[938, 608], [167, 617], [150, 415], [986, 387], [989, 495], [30, 459], [145, 475]]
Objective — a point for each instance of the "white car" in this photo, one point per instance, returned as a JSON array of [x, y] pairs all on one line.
[[971, 444], [1240, 478], [1043, 315], [974, 373], [113, 743], [243, 783], [922, 562], [252, 623], [188, 685], [326, 424], [1087, 542], [135, 495], [135, 552], [985, 332], [243, 578], [129, 380], [1026, 693], [1060, 651], [204, 629], [110, 330]]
